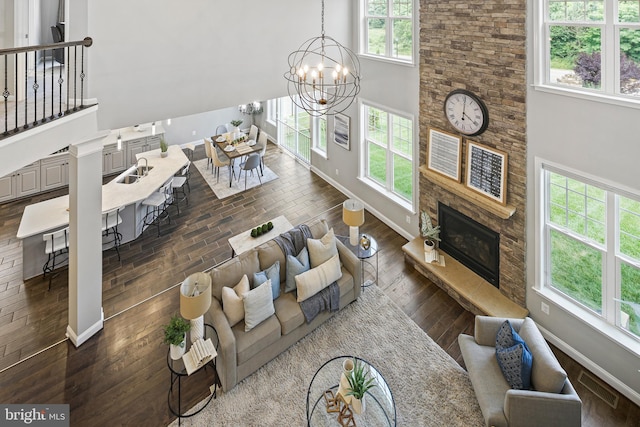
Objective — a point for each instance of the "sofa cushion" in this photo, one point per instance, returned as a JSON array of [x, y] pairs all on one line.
[[271, 273], [316, 279], [321, 250], [296, 265], [288, 312], [268, 253], [250, 343], [258, 305], [232, 304], [230, 272], [318, 228], [514, 357], [546, 373]]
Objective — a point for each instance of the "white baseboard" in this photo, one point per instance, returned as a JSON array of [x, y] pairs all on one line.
[[78, 340], [591, 366], [374, 211]]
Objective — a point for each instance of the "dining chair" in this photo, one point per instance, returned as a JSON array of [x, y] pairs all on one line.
[[55, 245], [263, 139], [253, 133], [221, 129], [218, 161], [252, 163], [207, 150]]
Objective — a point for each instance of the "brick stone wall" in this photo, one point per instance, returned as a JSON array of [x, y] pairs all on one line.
[[479, 45]]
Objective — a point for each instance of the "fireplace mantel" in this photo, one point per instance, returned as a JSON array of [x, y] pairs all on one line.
[[502, 211]]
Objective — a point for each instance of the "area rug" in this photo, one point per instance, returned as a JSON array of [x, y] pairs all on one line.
[[428, 386], [222, 189]]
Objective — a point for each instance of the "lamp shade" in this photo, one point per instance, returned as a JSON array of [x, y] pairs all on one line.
[[353, 213], [195, 295]]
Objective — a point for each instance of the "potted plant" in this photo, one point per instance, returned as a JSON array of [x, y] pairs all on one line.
[[428, 232], [163, 148], [175, 334], [359, 383]]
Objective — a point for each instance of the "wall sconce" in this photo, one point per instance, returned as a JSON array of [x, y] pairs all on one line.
[[153, 129], [119, 142]]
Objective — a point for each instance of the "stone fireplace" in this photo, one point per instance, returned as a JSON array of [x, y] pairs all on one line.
[[471, 243]]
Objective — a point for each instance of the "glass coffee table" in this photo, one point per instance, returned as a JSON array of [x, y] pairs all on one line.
[[380, 407]]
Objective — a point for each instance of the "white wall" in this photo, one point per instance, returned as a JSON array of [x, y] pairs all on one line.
[[204, 125], [601, 140]]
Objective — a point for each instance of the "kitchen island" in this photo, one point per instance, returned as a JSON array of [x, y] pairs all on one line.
[[51, 215]]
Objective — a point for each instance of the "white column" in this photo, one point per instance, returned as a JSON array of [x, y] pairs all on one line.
[[85, 246]]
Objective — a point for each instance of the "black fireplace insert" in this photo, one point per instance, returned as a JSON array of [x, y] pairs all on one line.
[[470, 242]]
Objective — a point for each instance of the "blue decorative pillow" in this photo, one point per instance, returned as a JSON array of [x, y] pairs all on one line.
[[514, 357], [272, 273], [296, 265]]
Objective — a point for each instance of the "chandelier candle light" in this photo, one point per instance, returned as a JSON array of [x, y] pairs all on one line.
[[195, 300], [324, 76]]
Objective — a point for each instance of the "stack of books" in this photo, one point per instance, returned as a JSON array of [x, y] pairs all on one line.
[[200, 353]]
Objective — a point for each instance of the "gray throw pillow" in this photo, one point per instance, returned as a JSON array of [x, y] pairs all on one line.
[[296, 265], [272, 273]]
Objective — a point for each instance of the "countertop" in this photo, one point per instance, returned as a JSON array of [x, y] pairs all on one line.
[[52, 214]]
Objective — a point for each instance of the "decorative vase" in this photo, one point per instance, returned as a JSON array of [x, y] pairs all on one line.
[[429, 246], [365, 242], [177, 351], [164, 153], [347, 367], [358, 405]]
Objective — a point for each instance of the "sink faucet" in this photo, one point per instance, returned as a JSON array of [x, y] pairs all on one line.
[[146, 165]]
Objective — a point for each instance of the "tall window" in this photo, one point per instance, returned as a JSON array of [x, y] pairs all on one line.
[[592, 247], [388, 152], [298, 131], [387, 29], [592, 45], [320, 134]]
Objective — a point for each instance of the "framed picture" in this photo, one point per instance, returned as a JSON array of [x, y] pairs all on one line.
[[341, 130], [444, 151], [487, 171]]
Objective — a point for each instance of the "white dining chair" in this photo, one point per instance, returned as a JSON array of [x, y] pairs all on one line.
[[263, 139]]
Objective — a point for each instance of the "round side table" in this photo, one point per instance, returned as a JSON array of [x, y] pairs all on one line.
[[366, 257]]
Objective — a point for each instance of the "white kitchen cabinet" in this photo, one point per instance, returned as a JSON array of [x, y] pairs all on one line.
[[153, 142], [7, 188], [28, 180], [113, 160], [54, 172], [135, 146]]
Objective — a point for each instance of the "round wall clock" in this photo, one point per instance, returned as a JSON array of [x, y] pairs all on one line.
[[466, 112]]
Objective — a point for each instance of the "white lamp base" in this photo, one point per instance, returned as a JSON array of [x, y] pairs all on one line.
[[197, 329], [354, 236]]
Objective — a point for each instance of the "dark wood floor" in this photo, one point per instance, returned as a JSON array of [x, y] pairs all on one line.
[[120, 377]]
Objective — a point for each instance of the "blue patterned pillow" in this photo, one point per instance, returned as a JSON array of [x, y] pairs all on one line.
[[514, 357], [272, 273], [296, 265]]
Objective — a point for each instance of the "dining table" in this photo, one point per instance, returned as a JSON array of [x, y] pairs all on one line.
[[234, 151]]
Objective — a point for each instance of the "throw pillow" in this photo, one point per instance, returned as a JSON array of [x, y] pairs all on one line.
[[316, 279], [515, 363], [320, 250], [258, 306], [232, 304], [272, 273], [514, 357], [296, 265]]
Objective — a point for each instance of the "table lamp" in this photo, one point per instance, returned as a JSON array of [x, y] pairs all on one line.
[[353, 216], [195, 300]]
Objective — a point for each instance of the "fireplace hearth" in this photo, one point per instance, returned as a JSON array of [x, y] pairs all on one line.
[[470, 242]]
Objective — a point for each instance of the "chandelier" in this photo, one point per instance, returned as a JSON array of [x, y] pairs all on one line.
[[323, 76]]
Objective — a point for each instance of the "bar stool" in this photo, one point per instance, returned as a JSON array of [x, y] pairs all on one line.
[[178, 185], [158, 202], [110, 221], [56, 244]]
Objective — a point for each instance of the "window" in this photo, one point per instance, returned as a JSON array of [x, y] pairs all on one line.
[[592, 46], [320, 134], [592, 247], [387, 149], [296, 127], [387, 29]]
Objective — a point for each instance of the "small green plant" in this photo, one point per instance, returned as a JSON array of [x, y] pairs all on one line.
[[175, 330], [236, 123], [163, 145], [358, 381], [428, 231]]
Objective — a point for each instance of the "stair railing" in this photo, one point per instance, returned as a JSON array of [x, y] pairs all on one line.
[[48, 94]]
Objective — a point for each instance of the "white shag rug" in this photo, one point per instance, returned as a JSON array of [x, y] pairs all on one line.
[[428, 386], [222, 189]]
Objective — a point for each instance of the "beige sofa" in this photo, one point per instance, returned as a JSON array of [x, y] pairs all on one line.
[[241, 353], [552, 401]]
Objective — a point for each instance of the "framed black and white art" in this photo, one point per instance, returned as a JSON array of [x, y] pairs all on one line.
[[487, 171], [443, 153], [341, 130]]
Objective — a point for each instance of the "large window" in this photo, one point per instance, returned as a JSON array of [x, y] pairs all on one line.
[[387, 29], [592, 46], [296, 128], [387, 147], [592, 247]]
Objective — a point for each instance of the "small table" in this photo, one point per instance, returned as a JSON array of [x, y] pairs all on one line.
[[242, 242], [178, 371], [364, 256], [240, 150], [380, 406]]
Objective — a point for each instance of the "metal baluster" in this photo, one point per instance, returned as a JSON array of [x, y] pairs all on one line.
[[82, 75], [26, 90], [53, 88], [15, 96], [44, 88], [68, 79], [35, 86], [5, 94], [60, 82], [75, 78]]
